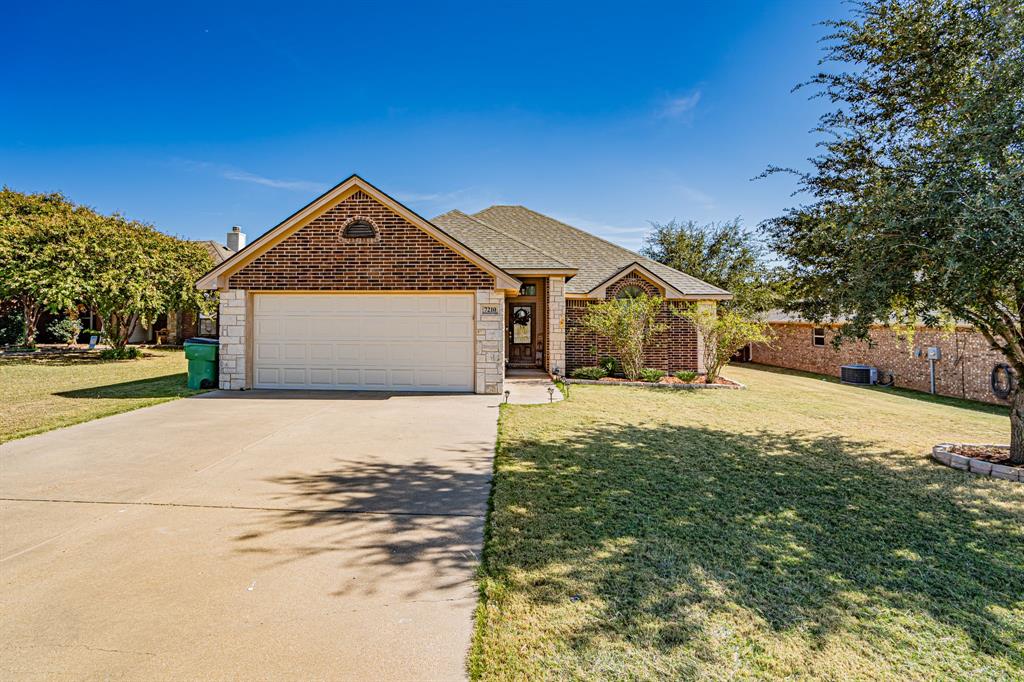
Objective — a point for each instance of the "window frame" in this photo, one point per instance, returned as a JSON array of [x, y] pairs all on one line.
[[621, 294], [817, 337]]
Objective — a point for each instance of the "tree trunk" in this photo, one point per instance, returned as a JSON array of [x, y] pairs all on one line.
[[1017, 423], [30, 310]]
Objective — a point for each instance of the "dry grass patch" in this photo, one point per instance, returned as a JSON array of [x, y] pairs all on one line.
[[44, 392]]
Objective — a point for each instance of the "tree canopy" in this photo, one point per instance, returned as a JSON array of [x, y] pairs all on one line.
[[916, 210], [722, 254], [55, 255]]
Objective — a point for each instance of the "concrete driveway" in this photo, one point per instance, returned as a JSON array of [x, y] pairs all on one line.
[[254, 535]]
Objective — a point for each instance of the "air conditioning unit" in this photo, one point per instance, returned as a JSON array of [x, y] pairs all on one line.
[[861, 375]]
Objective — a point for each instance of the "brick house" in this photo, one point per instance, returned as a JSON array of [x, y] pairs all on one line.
[[963, 370], [356, 291]]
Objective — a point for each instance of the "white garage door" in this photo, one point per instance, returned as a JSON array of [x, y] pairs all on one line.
[[363, 342]]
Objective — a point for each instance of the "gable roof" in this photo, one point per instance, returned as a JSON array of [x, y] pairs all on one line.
[[595, 259], [218, 276], [505, 250], [217, 251]]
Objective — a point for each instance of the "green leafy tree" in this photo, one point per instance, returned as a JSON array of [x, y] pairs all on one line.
[[629, 324], [134, 273], [36, 270], [916, 209], [723, 254], [724, 332]]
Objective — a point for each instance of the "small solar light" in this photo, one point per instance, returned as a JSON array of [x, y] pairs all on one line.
[[551, 394], [506, 395]]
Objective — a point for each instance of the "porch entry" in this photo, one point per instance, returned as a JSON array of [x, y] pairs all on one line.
[[525, 318]]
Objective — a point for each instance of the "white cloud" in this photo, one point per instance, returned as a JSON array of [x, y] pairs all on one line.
[[277, 183], [675, 107], [692, 195], [239, 175]]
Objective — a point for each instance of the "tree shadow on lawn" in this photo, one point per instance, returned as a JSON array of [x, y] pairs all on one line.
[[70, 358], [640, 533], [167, 386]]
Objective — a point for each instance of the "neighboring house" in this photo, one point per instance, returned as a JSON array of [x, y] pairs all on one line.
[[964, 368], [185, 324], [356, 291]]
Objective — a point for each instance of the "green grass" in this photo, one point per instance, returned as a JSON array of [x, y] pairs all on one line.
[[797, 529], [47, 392]]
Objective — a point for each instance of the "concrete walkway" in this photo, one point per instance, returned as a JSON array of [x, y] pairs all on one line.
[[530, 387], [262, 535]]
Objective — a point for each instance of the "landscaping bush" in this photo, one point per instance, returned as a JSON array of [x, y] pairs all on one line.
[[609, 365], [12, 325], [686, 375], [126, 353], [66, 330], [589, 373], [651, 376]]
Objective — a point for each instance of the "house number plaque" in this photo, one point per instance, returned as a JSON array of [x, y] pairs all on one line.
[[489, 310]]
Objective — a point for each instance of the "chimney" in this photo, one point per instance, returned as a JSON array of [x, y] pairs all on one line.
[[236, 238]]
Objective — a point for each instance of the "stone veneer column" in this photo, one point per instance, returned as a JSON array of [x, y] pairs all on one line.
[[232, 339], [490, 339], [554, 358]]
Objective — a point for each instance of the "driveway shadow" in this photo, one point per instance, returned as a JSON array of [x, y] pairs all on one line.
[[379, 520]]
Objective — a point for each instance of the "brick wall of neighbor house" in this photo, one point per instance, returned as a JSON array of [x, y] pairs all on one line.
[[964, 371], [673, 350], [232, 340], [316, 257]]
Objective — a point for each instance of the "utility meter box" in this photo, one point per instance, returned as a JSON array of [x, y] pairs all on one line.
[[934, 353]]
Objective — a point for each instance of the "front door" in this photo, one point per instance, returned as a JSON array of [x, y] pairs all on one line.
[[521, 334]]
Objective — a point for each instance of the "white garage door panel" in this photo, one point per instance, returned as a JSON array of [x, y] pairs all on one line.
[[362, 341]]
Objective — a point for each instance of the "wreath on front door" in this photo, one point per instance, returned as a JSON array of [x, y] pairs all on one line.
[[521, 316]]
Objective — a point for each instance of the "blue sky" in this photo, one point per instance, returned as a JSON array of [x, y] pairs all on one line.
[[196, 117]]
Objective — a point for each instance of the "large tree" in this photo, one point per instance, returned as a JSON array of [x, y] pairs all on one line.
[[133, 272], [723, 254], [916, 210], [36, 271]]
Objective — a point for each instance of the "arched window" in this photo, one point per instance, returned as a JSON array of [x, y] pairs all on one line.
[[630, 291], [359, 229]]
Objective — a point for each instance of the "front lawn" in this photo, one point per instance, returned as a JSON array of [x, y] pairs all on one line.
[[795, 529], [43, 392]]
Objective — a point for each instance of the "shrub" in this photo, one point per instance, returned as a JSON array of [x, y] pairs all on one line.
[[125, 353], [67, 330], [686, 375], [589, 373], [609, 365], [12, 325], [651, 376], [629, 324]]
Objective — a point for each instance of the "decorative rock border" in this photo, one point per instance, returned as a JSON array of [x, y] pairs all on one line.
[[944, 454], [645, 384]]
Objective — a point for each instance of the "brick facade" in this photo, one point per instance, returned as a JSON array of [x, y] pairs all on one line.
[[964, 371], [673, 350], [400, 257]]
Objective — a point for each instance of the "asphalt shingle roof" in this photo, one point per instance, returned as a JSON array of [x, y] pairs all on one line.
[[502, 249], [217, 251], [595, 259]]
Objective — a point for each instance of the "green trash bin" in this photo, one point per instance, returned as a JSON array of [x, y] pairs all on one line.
[[202, 362]]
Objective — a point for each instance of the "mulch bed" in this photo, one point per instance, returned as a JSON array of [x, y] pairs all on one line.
[[671, 380], [987, 453]]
